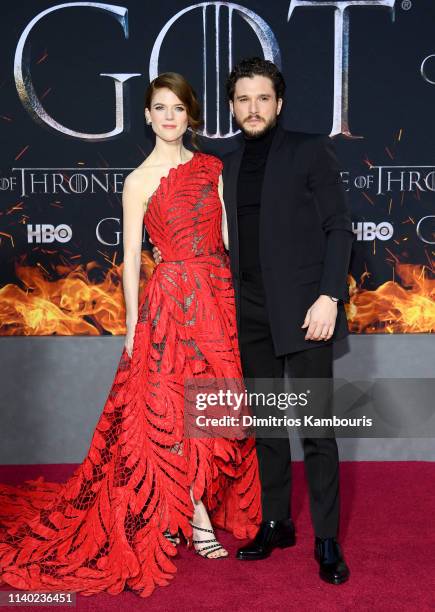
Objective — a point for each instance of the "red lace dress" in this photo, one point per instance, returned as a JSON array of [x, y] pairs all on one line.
[[103, 529]]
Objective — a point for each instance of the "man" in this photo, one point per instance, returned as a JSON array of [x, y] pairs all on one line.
[[290, 239]]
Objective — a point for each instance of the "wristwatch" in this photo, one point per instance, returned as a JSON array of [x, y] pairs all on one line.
[[334, 299]]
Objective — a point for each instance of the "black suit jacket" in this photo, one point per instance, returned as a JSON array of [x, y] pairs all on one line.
[[305, 233]]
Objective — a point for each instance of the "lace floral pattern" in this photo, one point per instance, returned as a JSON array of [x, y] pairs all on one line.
[[103, 529]]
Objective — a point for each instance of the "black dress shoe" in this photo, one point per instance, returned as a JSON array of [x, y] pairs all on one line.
[[332, 567], [272, 534]]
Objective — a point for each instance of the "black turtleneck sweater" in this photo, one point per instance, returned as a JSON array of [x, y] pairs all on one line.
[[249, 186]]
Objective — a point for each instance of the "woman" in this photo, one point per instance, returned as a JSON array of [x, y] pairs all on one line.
[[116, 522]]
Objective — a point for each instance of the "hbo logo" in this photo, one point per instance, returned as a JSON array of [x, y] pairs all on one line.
[[48, 233], [367, 230]]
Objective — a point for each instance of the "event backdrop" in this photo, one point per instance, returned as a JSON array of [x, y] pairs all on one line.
[[72, 82]]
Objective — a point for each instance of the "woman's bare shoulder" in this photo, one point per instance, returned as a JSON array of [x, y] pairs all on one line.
[[138, 176], [142, 179]]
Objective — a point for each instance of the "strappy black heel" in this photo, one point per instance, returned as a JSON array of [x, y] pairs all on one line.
[[213, 545], [174, 538]]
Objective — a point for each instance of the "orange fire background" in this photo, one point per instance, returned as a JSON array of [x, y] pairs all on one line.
[[75, 287]]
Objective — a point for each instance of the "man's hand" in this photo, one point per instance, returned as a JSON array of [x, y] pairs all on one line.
[[156, 254], [320, 319]]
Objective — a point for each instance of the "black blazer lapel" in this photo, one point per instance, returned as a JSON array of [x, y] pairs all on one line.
[[271, 193], [230, 177], [272, 172]]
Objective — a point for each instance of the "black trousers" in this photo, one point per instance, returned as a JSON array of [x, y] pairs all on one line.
[[320, 454]]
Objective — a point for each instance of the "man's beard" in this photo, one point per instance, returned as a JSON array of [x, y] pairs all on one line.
[[257, 133]]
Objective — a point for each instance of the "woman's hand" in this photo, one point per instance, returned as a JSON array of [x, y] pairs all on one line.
[[129, 339], [128, 345]]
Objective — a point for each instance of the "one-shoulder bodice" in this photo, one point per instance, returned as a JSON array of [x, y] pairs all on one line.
[[184, 215]]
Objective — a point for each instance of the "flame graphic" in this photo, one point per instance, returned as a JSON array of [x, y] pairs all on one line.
[[72, 305], [394, 308], [76, 305]]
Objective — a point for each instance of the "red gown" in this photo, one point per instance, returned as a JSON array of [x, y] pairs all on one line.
[[102, 530]]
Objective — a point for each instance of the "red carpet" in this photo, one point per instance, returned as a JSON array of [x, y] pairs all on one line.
[[387, 534]]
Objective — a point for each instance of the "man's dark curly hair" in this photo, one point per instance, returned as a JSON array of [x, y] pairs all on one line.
[[256, 66]]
